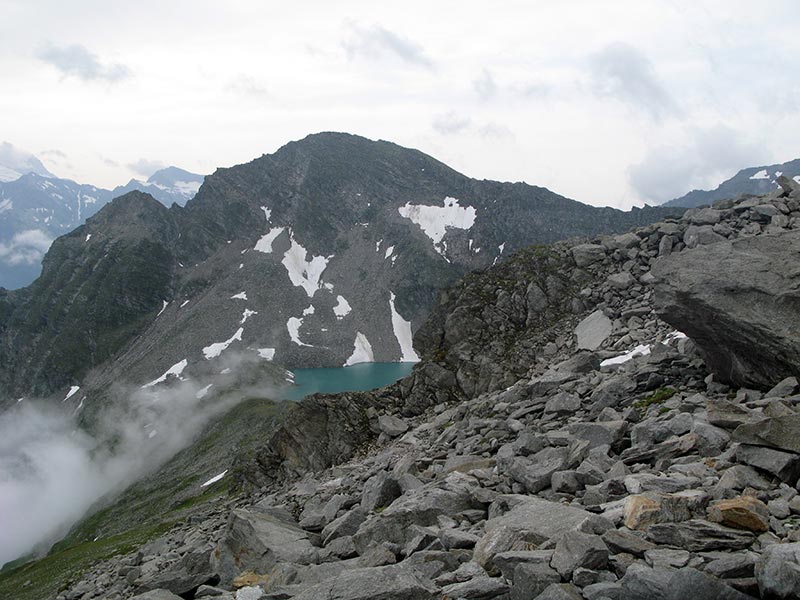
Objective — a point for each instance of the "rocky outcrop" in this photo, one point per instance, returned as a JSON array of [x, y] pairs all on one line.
[[739, 301]]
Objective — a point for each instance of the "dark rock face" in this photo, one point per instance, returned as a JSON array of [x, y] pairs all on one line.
[[739, 301]]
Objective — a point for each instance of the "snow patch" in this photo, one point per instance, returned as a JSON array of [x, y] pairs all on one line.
[[675, 335], [72, 391], [641, 350], [267, 213], [202, 393], [342, 308], [304, 273], [388, 252], [175, 371], [239, 296], [214, 479], [762, 174], [88, 237], [309, 310], [215, 350], [402, 332], [362, 351], [163, 308], [185, 302], [267, 353], [265, 243], [293, 325], [434, 220], [246, 315]]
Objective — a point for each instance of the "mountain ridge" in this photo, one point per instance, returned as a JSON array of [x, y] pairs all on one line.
[[266, 251]]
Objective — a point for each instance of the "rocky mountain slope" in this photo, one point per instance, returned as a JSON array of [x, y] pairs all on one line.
[[559, 440], [329, 252], [36, 207], [753, 180]]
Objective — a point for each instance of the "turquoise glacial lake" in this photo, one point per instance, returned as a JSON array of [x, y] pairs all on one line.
[[361, 377]]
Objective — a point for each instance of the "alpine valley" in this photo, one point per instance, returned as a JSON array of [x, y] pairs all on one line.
[[603, 403]]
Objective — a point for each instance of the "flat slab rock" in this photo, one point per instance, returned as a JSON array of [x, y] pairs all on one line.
[[378, 583]]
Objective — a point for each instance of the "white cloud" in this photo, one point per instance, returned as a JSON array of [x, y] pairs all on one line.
[[700, 160], [378, 42], [146, 166], [77, 61], [450, 123], [622, 71], [25, 248]]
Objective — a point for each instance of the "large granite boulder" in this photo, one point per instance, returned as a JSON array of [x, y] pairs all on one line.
[[739, 301]]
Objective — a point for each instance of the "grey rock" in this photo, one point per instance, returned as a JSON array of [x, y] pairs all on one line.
[[737, 301], [422, 506], [156, 595], [698, 535], [560, 591], [619, 540], [575, 549], [593, 330], [644, 583], [531, 579], [739, 477], [734, 565], [587, 254], [507, 562], [346, 525], [563, 403], [392, 426], [378, 583], [604, 590], [778, 571], [727, 414], [784, 465], [782, 433], [621, 281], [601, 433], [691, 583], [257, 542], [380, 491], [783, 388], [535, 472], [532, 519], [701, 236], [480, 588]]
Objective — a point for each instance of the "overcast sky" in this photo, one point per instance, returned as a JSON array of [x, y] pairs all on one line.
[[614, 102]]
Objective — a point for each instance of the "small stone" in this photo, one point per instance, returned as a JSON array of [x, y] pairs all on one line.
[[392, 426]]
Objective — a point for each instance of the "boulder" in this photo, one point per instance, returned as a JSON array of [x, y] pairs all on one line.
[[422, 506], [738, 301], [257, 542], [387, 583], [530, 519], [392, 426], [691, 583], [643, 583], [157, 595], [593, 330], [784, 465], [778, 571], [380, 491], [560, 591], [698, 535], [531, 579], [587, 254], [575, 549], [479, 588], [782, 433], [742, 512]]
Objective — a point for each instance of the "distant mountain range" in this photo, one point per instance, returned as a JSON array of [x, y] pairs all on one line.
[[753, 180], [331, 251], [36, 207]]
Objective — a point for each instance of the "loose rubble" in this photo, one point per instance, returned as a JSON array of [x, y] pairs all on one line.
[[650, 477]]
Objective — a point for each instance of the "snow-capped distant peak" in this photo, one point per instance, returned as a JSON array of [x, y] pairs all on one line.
[[14, 163]]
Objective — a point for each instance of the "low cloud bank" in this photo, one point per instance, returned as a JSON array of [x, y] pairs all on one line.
[[51, 472]]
